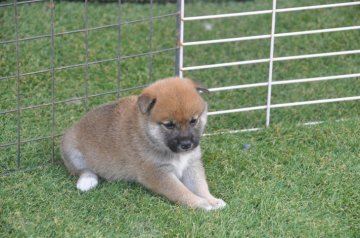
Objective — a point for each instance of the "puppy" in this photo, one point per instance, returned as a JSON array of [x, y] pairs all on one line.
[[152, 139]]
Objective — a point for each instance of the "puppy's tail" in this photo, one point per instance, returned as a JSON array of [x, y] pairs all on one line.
[[88, 180]]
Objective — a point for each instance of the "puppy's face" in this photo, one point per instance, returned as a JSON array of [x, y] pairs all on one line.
[[180, 135], [176, 114]]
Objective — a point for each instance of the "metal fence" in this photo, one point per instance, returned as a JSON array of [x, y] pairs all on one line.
[[272, 36], [12, 156], [12, 151]]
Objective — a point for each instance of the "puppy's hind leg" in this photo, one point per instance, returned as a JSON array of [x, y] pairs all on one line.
[[76, 164]]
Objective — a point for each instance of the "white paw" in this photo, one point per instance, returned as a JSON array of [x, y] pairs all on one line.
[[219, 204], [202, 204], [86, 183], [213, 204], [206, 206]]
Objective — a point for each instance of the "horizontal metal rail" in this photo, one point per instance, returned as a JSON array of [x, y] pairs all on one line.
[[267, 36], [316, 7], [73, 99], [310, 56], [245, 109], [238, 14], [320, 101], [20, 3], [310, 123], [227, 40], [283, 105], [232, 131], [209, 66], [243, 86], [262, 12], [29, 140], [285, 82], [309, 32], [89, 63], [90, 28], [275, 59]]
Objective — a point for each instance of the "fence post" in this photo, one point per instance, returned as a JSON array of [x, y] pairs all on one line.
[[118, 52], [179, 38], [52, 57], [17, 49], [86, 41], [150, 64], [272, 45]]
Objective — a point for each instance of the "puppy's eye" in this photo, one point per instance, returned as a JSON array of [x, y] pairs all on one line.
[[193, 121], [169, 125]]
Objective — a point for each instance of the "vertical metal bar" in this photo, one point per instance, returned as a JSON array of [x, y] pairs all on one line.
[[272, 46], [179, 38], [17, 83], [177, 51], [52, 9], [150, 64], [118, 51], [86, 55]]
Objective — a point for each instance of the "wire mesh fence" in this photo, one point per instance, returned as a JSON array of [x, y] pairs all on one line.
[[68, 84], [60, 59]]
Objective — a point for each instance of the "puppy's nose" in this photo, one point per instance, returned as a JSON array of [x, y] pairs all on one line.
[[185, 144]]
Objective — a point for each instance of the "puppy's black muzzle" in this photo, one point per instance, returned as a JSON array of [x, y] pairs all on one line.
[[183, 144]]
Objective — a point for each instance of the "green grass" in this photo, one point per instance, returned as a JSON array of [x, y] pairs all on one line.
[[294, 181]]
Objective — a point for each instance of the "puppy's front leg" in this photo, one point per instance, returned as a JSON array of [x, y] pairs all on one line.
[[168, 185], [194, 179]]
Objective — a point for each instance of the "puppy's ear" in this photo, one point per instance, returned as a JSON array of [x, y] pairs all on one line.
[[201, 88], [146, 103], [198, 86]]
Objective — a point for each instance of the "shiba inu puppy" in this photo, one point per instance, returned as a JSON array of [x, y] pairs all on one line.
[[152, 139]]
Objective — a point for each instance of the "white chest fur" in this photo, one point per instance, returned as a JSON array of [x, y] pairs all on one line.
[[183, 160]]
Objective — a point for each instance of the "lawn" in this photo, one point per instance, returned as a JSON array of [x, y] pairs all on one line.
[[293, 181]]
